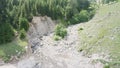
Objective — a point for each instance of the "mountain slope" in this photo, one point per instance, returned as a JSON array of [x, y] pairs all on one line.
[[102, 34], [97, 40]]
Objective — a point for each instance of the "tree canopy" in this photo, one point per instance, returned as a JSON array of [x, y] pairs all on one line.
[[12, 11]]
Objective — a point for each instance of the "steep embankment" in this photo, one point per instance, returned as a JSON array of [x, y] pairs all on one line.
[[102, 34]]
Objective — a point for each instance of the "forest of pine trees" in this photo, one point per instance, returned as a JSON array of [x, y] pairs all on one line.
[[18, 13]]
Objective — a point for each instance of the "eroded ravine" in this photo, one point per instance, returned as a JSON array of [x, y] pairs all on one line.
[[63, 53], [48, 53]]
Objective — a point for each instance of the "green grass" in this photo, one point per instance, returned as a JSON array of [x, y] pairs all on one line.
[[102, 34], [12, 49]]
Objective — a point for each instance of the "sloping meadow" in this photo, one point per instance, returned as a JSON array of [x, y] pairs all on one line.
[[101, 35]]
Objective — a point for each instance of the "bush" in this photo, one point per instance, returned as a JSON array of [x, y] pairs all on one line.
[[6, 58], [24, 24], [106, 66], [83, 16], [80, 29], [56, 38], [22, 34], [92, 11], [60, 31], [30, 17], [6, 33]]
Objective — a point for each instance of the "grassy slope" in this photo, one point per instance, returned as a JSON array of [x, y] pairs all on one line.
[[12, 49], [102, 33]]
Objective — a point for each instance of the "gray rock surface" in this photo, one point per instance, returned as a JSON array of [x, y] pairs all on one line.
[[63, 53], [41, 26]]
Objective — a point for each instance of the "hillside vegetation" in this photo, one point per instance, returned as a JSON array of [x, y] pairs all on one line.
[[102, 34], [18, 13], [15, 16]]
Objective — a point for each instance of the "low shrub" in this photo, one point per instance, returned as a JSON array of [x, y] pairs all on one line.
[[83, 16], [80, 29], [24, 24], [56, 38], [106, 66], [30, 17], [22, 34], [60, 31], [6, 58]]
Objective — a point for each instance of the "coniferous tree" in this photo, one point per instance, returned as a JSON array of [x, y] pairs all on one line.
[[3, 11]]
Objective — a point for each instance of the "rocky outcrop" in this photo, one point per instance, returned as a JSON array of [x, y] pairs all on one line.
[[41, 26]]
